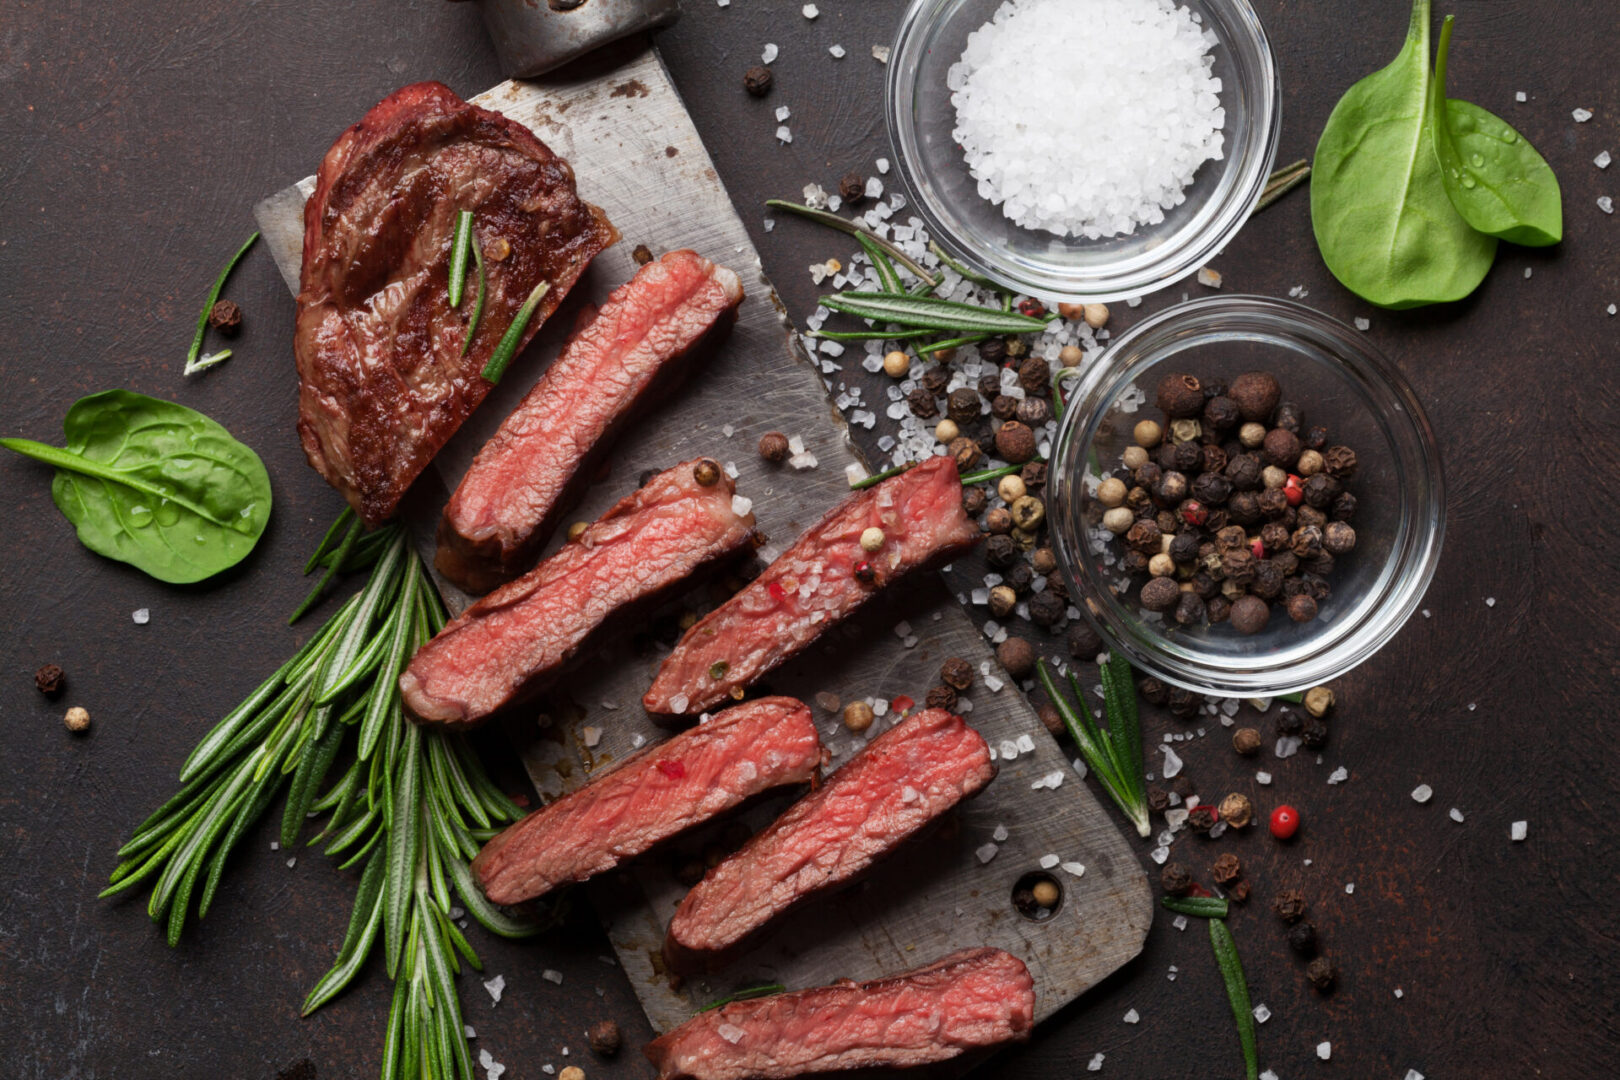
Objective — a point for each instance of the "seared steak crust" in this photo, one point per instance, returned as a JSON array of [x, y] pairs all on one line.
[[968, 1000], [382, 382]]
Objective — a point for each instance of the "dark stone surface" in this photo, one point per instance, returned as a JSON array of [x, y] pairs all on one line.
[[136, 138]]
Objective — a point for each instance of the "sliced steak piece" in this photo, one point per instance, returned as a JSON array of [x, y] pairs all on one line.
[[383, 383], [650, 797], [513, 641], [968, 1000], [530, 472], [816, 584], [903, 780]]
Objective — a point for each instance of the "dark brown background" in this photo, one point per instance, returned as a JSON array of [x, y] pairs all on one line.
[[135, 139]]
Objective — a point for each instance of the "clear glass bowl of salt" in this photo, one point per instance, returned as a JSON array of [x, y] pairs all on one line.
[[1058, 165]]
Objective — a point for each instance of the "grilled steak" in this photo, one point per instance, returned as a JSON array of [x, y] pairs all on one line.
[[651, 796], [513, 641], [815, 584], [528, 474], [968, 1000], [382, 380], [903, 780]]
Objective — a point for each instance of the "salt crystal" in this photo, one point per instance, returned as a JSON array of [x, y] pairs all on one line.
[[1582, 115], [142, 616], [1339, 775], [909, 794], [1518, 830], [679, 702], [467, 1030], [1490, 601], [275, 845], [495, 987], [552, 975], [1000, 835], [591, 735], [1611, 309], [1399, 993], [985, 852], [637, 740], [1288, 746], [1456, 815], [731, 1033], [837, 51], [782, 113], [1172, 764], [292, 862], [1527, 272], [883, 165], [1427, 614], [1521, 96], [1179, 922], [1073, 869], [1209, 277], [1159, 855], [1324, 1050], [1026, 745], [492, 1068], [1605, 204], [1422, 793], [1269, 1074], [1261, 1013], [1363, 324], [1008, 749], [1602, 160], [785, 134], [880, 53], [1095, 1064], [874, 188], [1412, 1074], [769, 53], [1133, 1017], [741, 505], [1172, 975], [810, 11]]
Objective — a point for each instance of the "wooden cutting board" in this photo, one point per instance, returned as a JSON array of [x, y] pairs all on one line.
[[622, 125]]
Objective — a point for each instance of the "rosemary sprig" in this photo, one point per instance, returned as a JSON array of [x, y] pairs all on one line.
[[508, 346], [763, 990], [931, 313], [979, 477], [856, 230], [1283, 181], [1204, 907], [203, 363], [208, 306], [1237, 990], [460, 245], [478, 304], [1112, 753], [413, 804]]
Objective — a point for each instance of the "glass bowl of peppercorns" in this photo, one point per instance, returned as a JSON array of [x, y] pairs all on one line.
[[1246, 496]]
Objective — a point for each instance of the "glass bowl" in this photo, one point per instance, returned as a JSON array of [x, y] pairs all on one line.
[[931, 38], [1340, 382]]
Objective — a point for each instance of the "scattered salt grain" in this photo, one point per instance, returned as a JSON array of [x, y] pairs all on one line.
[[985, 852], [492, 1068], [1427, 614], [1527, 271], [1412, 1074], [1349, 888], [1605, 204], [1518, 830], [1582, 115], [1073, 869], [1521, 96], [731, 1033], [1171, 976], [637, 740], [496, 986], [1363, 324], [1602, 160], [1324, 1050], [1456, 815], [1399, 993], [1133, 1017], [1000, 835], [1179, 922], [552, 975], [838, 52], [769, 53], [874, 188], [1261, 1013], [785, 134], [1172, 764], [1095, 1064], [1262, 778], [1339, 775], [1159, 855], [590, 735], [1026, 745], [142, 616], [1209, 277], [810, 11], [1269, 1074], [880, 53], [1612, 309], [275, 845], [467, 1030], [1490, 601], [1048, 861], [782, 113], [741, 505], [292, 862]]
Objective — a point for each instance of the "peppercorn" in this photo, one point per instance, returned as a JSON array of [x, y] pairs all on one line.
[[1212, 459], [577, 529], [1289, 905], [1302, 608], [1244, 508], [1211, 489], [1321, 973], [941, 697], [49, 680], [1182, 786], [1227, 869], [1243, 472], [1272, 503], [1250, 614], [1144, 537], [1033, 474], [922, 404], [965, 451], [1015, 442], [1306, 543], [1187, 456], [1001, 550], [1050, 718], [1218, 608], [1252, 435], [1002, 406], [1280, 447], [1339, 462], [852, 189], [1158, 799], [1133, 458], [1133, 562], [865, 572], [1147, 434], [1148, 475], [1183, 703], [1183, 547], [1202, 818], [1289, 417], [1273, 477], [225, 317], [1309, 464], [757, 80], [1302, 938], [77, 719], [1314, 438], [1175, 879], [1320, 491], [1046, 608], [1221, 413], [1033, 411], [1019, 577], [1179, 396], [1161, 565], [935, 380], [973, 501], [858, 716], [604, 1038], [1171, 488], [1164, 455], [1002, 601], [1083, 640], [1017, 656], [571, 1072], [1239, 892], [1256, 394], [1119, 520], [1160, 594], [1205, 586], [1152, 690], [1236, 810], [1189, 609], [773, 447], [706, 473], [1246, 741], [1044, 560], [1034, 375]]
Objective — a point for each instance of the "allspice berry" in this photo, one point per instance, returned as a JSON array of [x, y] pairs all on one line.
[[77, 719], [1236, 810], [1180, 396], [1256, 393], [858, 716], [1017, 656], [1084, 642], [1318, 700], [1160, 594], [226, 317], [604, 1038], [1246, 741], [773, 447], [1301, 607], [1046, 608], [1015, 442], [1281, 448], [1051, 719], [1250, 614]]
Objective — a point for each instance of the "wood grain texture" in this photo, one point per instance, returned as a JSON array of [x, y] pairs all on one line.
[[138, 137], [620, 124]]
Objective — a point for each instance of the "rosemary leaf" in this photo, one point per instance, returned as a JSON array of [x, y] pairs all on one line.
[[508, 346], [1113, 755], [844, 225], [1204, 907], [478, 303], [203, 363], [1237, 990], [1283, 181], [926, 312], [208, 306], [460, 244], [764, 990]]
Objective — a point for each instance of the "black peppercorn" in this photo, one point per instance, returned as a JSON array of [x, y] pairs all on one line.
[[1256, 394], [757, 80], [604, 1038], [963, 405], [1133, 562], [1033, 376], [1344, 507], [1190, 609], [1160, 594], [1314, 734], [1202, 818], [1152, 690], [1205, 586], [1306, 543], [1171, 489], [935, 380], [1314, 438], [956, 672], [1211, 489], [1218, 608], [1310, 515], [1144, 537], [974, 501], [1214, 459], [1033, 474], [1183, 703], [1188, 456], [922, 404], [1339, 461], [1302, 938], [1322, 974], [1272, 503], [49, 680], [1184, 547], [993, 351], [966, 452], [1158, 799], [1231, 538], [990, 386], [1338, 538], [1164, 455], [1001, 551], [1289, 905], [1175, 879], [1267, 580], [1056, 586], [1301, 608], [1320, 491], [226, 317], [1018, 577], [1218, 519], [1281, 448], [1237, 566], [1221, 413], [1290, 417], [852, 189], [1084, 643], [1046, 608], [1246, 741], [1226, 870], [1034, 411], [1004, 407], [1243, 470], [941, 697], [1295, 586], [1180, 396], [1273, 536], [1244, 508]]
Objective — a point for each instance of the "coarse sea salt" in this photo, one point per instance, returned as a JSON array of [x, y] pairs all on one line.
[[1518, 830], [1133, 1017], [1094, 149], [1422, 793]]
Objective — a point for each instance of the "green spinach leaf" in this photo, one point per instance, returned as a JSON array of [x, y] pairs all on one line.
[[1382, 219], [155, 484], [1496, 180]]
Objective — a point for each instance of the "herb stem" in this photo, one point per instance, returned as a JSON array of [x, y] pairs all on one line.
[[508, 346], [478, 304], [208, 305], [1204, 907], [764, 990], [844, 225], [1237, 989], [1283, 181], [1114, 754], [460, 242]]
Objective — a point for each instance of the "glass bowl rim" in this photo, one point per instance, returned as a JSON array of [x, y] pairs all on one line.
[[1175, 262], [1414, 559]]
